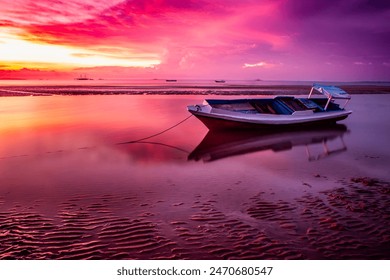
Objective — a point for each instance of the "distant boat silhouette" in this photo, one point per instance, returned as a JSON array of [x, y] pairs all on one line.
[[220, 81], [171, 80], [83, 77]]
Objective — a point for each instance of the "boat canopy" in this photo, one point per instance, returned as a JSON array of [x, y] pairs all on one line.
[[332, 91]]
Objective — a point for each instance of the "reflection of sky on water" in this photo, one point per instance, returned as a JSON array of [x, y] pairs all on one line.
[[64, 144]]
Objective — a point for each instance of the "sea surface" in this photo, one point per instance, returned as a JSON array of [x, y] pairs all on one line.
[[136, 177]]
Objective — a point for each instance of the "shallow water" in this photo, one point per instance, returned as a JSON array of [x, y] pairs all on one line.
[[75, 182]]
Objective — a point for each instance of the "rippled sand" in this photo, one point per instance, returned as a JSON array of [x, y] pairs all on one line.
[[349, 221]]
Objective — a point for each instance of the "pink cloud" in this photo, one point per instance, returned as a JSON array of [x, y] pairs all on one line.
[[142, 24], [204, 38], [259, 64], [52, 11]]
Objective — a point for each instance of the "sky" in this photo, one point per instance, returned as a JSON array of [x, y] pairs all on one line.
[[324, 40]]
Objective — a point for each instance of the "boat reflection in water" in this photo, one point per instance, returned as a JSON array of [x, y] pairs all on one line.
[[226, 143]]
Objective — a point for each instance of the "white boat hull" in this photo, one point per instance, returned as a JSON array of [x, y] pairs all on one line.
[[219, 119]]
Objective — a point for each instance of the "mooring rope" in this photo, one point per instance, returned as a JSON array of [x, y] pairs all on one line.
[[121, 143], [165, 145], [156, 134]]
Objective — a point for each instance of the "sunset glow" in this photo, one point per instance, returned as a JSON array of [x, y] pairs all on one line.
[[281, 40], [14, 52]]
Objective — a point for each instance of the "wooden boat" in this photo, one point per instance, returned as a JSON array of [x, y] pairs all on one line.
[[276, 111], [219, 144]]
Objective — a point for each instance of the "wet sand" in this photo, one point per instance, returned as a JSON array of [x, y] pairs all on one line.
[[349, 221], [69, 191]]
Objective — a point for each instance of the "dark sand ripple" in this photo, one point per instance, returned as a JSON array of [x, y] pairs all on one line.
[[89, 232], [348, 222]]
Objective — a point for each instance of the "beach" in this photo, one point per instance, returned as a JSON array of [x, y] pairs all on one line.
[[82, 178]]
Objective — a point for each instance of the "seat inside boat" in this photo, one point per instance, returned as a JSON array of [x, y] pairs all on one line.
[[279, 105], [291, 102], [241, 106], [265, 107], [321, 103]]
